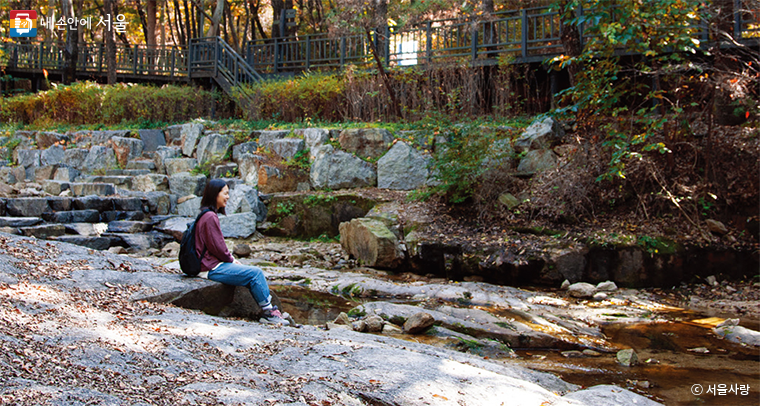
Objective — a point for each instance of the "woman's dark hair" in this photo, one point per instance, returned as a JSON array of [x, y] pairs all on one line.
[[213, 187]]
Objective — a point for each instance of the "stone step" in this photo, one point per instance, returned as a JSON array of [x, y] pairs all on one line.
[[72, 216], [129, 227], [120, 180], [43, 231], [98, 189], [141, 164], [97, 243], [19, 221], [129, 172]]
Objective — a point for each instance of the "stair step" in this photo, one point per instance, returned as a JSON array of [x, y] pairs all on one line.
[[129, 172], [19, 221], [43, 231], [98, 189]]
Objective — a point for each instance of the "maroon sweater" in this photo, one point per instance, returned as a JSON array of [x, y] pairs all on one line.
[[209, 238]]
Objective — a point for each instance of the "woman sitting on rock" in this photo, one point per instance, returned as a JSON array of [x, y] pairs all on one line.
[[217, 263]]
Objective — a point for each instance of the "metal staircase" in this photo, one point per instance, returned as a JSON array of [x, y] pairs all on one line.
[[214, 58]]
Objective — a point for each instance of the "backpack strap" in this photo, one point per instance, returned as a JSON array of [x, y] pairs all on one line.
[[204, 211]]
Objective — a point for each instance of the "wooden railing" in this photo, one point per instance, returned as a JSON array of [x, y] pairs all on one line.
[[215, 58], [518, 36], [135, 60]]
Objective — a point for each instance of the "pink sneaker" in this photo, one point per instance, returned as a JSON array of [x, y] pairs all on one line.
[[273, 316]]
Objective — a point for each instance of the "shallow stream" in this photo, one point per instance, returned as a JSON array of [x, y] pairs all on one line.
[[682, 362]]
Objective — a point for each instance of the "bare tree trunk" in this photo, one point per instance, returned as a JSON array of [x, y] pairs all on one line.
[[71, 50], [150, 26], [51, 33], [380, 24], [213, 30], [233, 27], [181, 29], [162, 22], [110, 44], [571, 38], [395, 108]]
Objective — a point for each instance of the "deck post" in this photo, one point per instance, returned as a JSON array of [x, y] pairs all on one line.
[[174, 60], [276, 54], [429, 42], [342, 51], [308, 51], [474, 48], [524, 39], [737, 20], [134, 60]]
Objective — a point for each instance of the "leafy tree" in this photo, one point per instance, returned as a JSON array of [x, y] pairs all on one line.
[[621, 95]]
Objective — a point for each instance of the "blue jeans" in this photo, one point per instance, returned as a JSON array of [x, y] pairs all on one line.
[[243, 275]]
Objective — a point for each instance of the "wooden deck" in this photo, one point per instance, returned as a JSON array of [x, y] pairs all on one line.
[[517, 36]]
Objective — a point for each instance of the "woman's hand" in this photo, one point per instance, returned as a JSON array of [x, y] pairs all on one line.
[[235, 261]]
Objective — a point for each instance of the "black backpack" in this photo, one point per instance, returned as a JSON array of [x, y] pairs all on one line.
[[189, 260]]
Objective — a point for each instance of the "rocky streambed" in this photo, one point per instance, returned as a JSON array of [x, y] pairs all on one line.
[[82, 326]]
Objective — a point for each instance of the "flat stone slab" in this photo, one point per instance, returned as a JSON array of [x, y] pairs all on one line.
[[96, 243], [129, 226], [98, 189], [73, 216], [19, 221], [43, 231]]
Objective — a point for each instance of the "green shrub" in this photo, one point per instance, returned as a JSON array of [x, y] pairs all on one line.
[[90, 103], [309, 96]]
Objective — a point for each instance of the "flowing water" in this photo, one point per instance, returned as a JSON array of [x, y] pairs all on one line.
[[682, 362]]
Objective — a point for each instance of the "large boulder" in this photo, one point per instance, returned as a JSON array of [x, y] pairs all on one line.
[[266, 137], [46, 139], [287, 148], [214, 147], [366, 142], [29, 159], [150, 183], [402, 168], [245, 148], [66, 174], [244, 199], [177, 165], [54, 155], [159, 203], [248, 166], [335, 169], [225, 170], [75, 157], [185, 183], [99, 159], [314, 138], [189, 207], [164, 153], [189, 135], [274, 179], [152, 139], [242, 225], [174, 226], [541, 134], [538, 160], [126, 149], [371, 243]]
